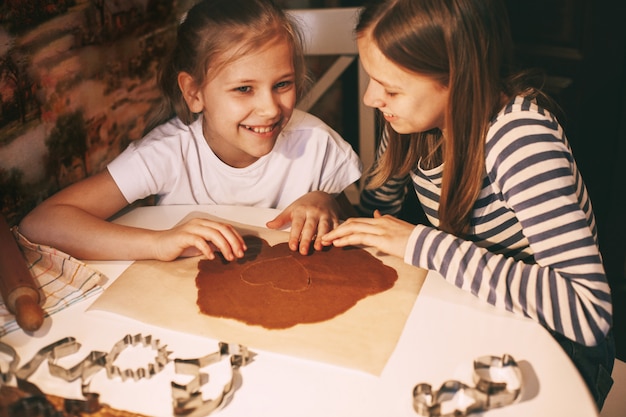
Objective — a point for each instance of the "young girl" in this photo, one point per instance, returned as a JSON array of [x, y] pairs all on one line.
[[492, 169], [232, 79]]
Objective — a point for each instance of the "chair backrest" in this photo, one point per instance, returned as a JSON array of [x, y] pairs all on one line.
[[330, 32]]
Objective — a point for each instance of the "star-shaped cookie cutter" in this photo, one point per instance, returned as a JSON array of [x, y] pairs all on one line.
[[498, 382], [187, 398]]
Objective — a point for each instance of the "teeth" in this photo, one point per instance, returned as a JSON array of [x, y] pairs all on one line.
[[388, 114], [260, 129]]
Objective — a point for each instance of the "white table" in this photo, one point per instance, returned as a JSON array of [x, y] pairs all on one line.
[[446, 331]]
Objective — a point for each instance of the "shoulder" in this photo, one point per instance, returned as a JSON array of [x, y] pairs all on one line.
[[172, 129], [302, 123], [310, 130], [522, 123], [170, 142], [522, 112], [525, 134], [307, 136], [303, 120]]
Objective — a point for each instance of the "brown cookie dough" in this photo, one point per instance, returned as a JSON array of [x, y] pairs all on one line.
[[276, 288]]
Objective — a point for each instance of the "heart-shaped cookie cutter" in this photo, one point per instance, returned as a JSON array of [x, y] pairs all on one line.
[[498, 382]]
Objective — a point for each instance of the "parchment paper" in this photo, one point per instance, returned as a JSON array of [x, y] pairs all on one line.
[[363, 338]]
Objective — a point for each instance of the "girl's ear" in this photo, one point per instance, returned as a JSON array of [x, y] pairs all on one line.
[[190, 91]]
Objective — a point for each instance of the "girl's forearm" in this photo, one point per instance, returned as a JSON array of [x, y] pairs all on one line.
[[85, 236]]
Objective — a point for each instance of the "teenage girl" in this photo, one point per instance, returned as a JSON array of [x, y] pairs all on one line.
[[511, 220]]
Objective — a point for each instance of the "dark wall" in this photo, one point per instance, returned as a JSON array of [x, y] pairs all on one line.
[[581, 45]]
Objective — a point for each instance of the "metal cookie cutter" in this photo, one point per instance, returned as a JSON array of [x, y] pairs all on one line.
[[187, 398], [92, 363], [36, 403], [84, 369], [498, 382], [160, 360], [7, 368], [62, 347], [96, 361]]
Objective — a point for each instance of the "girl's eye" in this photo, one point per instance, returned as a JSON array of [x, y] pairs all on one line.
[[243, 89], [390, 93], [283, 85]]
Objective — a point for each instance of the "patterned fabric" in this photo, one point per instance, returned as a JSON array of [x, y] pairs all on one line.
[[62, 280]]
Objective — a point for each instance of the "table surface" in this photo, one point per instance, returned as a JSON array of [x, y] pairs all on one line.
[[446, 330]]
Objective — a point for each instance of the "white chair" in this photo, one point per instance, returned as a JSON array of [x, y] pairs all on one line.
[[330, 32]]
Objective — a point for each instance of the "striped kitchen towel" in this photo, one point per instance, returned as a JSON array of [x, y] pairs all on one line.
[[62, 279]]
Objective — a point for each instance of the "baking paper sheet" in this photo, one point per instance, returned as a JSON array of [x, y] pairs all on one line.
[[164, 294]]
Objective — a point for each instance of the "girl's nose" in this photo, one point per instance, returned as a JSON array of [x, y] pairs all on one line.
[[267, 104], [372, 95]]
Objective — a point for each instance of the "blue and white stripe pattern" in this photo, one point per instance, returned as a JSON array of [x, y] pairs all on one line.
[[534, 248], [387, 199]]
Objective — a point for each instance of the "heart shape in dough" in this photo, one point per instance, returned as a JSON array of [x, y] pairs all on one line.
[[274, 287], [284, 273]]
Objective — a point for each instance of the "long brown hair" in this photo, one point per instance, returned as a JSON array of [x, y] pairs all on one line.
[[214, 33], [466, 46]]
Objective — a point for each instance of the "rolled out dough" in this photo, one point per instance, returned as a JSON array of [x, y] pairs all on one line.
[[363, 337]]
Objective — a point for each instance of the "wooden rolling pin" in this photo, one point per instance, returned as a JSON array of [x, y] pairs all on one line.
[[17, 286]]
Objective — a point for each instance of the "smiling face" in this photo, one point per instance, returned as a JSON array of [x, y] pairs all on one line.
[[246, 104], [410, 102]]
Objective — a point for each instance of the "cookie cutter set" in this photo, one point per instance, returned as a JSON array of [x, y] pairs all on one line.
[[498, 382], [187, 399]]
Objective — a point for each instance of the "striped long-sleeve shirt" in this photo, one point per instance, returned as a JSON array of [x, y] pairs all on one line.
[[387, 199], [534, 247]]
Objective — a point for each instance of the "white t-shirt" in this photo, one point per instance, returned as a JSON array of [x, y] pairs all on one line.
[[175, 163]]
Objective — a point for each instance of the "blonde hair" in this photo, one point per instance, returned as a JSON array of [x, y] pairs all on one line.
[[214, 33]]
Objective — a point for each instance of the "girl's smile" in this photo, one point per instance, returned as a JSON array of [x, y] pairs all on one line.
[[262, 129], [389, 117]]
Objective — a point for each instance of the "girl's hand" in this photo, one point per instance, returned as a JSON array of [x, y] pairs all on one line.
[[385, 233], [199, 236], [311, 216]]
